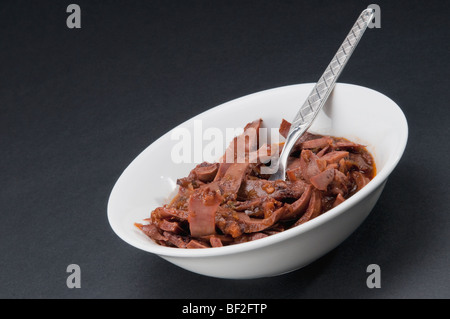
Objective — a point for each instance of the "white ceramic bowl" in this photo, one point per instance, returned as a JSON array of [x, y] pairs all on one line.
[[357, 113]]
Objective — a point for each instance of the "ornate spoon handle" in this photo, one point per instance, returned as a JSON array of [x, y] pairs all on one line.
[[322, 90]]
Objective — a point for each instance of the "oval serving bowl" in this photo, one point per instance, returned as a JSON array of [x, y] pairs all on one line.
[[357, 113]]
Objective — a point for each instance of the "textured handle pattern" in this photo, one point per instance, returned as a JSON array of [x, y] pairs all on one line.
[[326, 83], [321, 91]]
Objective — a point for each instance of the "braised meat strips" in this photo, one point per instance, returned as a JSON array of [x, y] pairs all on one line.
[[233, 201]]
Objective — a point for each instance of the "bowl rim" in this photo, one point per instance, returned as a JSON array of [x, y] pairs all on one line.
[[286, 234]]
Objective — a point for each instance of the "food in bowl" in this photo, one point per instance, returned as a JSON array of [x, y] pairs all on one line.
[[149, 180], [233, 201]]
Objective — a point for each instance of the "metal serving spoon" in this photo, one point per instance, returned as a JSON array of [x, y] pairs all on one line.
[[321, 91]]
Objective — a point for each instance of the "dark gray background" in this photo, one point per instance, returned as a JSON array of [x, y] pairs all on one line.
[[77, 106]]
